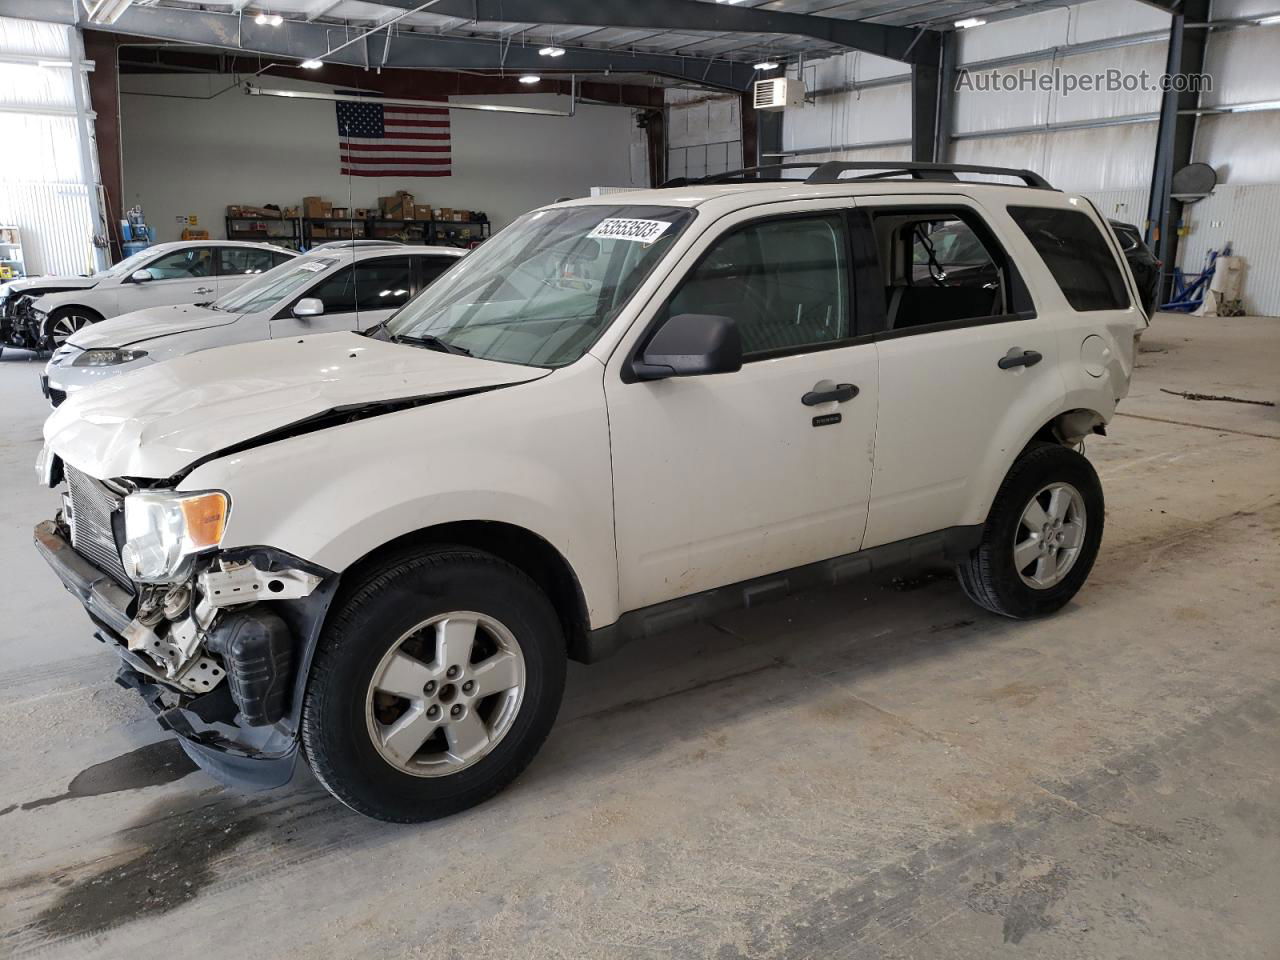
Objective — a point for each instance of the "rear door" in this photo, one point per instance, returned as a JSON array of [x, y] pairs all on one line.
[[238, 264], [967, 366]]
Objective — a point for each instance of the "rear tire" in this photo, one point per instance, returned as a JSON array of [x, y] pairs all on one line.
[[1032, 561], [401, 727]]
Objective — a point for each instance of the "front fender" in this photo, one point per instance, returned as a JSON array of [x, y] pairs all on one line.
[[535, 458]]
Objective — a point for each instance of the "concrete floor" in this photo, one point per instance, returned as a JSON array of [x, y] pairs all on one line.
[[881, 772]]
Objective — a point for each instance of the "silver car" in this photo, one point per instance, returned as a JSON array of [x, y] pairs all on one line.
[[325, 290]]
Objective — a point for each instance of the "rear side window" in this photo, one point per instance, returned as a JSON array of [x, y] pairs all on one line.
[[1077, 254], [239, 261]]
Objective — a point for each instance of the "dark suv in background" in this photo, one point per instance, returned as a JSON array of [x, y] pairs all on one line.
[[1143, 263]]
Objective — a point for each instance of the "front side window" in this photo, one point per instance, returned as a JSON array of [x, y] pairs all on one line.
[[542, 290], [239, 261], [1077, 255], [188, 264], [382, 284], [785, 282], [273, 288]]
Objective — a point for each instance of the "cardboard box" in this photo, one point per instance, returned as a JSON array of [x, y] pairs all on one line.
[[360, 213], [421, 211], [289, 213], [319, 233], [316, 207], [339, 212], [399, 207], [192, 234]]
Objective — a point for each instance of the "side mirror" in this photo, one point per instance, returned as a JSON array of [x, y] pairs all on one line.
[[308, 307], [141, 276], [691, 345]]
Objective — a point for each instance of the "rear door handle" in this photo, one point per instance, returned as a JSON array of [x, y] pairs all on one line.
[[1017, 357], [824, 391]]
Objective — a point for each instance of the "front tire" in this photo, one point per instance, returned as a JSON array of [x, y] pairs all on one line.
[[437, 679], [1041, 536], [62, 323]]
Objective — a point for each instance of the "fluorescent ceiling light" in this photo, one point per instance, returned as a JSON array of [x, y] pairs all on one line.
[[551, 52], [311, 64], [766, 65], [57, 64], [968, 22], [268, 19], [530, 78]]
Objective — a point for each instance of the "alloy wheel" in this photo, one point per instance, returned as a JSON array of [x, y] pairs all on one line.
[[64, 327], [445, 694], [1049, 536]]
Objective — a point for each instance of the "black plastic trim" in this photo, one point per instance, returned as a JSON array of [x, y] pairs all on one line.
[[106, 601], [954, 543]]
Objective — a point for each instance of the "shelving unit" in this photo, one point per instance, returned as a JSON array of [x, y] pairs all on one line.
[[12, 264], [443, 232], [293, 238]]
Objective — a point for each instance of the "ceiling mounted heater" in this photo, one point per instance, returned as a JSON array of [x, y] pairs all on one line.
[[778, 92]]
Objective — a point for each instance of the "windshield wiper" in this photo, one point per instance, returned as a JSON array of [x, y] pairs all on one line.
[[431, 343]]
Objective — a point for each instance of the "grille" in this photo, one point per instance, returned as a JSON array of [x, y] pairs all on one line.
[[92, 536]]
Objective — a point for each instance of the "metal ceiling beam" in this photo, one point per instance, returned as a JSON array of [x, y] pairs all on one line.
[[300, 40], [896, 43]]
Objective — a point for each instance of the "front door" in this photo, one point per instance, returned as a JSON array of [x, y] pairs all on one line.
[[180, 276], [718, 479], [354, 298]]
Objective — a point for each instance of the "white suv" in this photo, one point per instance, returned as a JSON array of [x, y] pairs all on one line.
[[619, 415], [182, 272], [332, 289]]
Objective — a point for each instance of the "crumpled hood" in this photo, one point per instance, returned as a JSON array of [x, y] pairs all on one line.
[[131, 328], [16, 288], [157, 421]]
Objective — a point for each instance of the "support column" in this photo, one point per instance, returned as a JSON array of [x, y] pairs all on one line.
[[1175, 138], [104, 99], [88, 148], [927, 101]]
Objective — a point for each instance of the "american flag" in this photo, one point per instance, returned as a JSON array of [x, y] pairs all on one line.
[[377, 140]]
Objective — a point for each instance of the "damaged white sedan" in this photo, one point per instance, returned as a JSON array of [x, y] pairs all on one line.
[[378, 550]]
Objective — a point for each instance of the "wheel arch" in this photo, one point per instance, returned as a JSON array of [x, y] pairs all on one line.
[[95, 316], [525, 550]]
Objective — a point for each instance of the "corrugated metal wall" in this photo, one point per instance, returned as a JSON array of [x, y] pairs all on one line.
[[704, 133], [42, 188]]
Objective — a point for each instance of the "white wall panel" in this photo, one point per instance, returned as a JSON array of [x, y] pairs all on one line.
[[1082, 23], [862, 116], [1247, 217], [977, 110], [1105, 158], [1243, 147], [704, 133], [1244, 64], [1097, 104]]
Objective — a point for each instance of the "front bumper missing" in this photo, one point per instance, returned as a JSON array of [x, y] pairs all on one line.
[[208, 725]]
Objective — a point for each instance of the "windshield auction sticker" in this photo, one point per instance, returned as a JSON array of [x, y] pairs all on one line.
[[621, 228]]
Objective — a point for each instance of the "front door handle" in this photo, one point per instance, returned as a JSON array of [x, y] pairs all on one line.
[[1017, 357], [824, 391], [203, 290]]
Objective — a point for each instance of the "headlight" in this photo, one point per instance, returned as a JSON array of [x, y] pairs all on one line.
[[164, 531], [107, 358]]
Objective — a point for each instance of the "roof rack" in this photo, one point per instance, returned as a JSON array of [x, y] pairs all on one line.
[[830, 171]]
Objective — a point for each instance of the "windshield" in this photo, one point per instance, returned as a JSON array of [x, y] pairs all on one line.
[[541, 291], [125, 266], [271, 288]]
